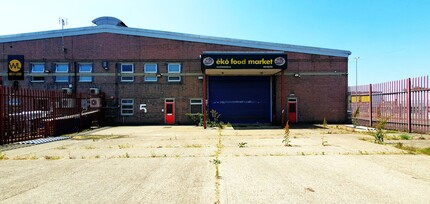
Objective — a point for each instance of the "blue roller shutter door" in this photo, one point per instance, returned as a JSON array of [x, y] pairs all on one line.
[[241, 99]]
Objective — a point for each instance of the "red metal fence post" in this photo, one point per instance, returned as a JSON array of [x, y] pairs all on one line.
[[370, 106], [408, 85], [78, 105], [282, 99], [426, 103], [2, 115], [204, 100], [54, 113]]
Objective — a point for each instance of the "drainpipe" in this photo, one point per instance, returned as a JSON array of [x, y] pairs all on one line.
[[282, 99], [204, 100]]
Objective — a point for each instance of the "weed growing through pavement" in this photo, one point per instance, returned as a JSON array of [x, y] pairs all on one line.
[[154, 155], [323, 141], [47, 157], [405, 137], [61, 147], [72, 157], [242, 144], [125, 146], [3, 156], [363, 152], [379, 133], [97, 137], [324, 123], [89, 147], [196, 118], [217, 162], [20, 158], [413, 150], [355, 115], [194, 146], [286, 139]]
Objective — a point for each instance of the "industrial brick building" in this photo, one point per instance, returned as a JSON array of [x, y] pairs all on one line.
[[156, 77]]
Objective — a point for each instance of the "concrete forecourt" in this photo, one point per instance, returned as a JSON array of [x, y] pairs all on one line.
[[187, 164]]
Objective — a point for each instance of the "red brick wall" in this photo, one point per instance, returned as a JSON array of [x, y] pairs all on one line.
[[321, 90]]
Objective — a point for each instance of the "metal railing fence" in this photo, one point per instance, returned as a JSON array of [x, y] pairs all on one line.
[[404, 103], [27, 114]]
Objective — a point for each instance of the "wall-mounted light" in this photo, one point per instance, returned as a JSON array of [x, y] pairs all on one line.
[[105, 65], [159, 75], [297, 75], [47, 71], [200, 77]]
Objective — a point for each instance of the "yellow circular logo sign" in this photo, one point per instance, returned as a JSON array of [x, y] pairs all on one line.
[[15, 65]]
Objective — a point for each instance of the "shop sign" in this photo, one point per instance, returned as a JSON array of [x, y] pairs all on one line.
[[15, 67], [244, 61]]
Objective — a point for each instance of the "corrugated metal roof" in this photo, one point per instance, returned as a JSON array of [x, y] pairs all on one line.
[[172, 36]]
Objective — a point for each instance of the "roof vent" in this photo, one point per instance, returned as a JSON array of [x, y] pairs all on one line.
[[107, 20]]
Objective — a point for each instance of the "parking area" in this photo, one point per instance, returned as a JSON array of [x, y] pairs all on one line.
[[187, 164]]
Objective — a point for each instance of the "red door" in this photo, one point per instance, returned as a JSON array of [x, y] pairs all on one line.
[[292, 111], [169, 114]]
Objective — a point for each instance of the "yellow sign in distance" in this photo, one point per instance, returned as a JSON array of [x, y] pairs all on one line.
[[15, 65]]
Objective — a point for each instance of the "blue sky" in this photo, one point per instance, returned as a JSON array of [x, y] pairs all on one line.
[[391, 37]]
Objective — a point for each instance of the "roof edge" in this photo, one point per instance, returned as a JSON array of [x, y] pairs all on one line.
[[173, 36]]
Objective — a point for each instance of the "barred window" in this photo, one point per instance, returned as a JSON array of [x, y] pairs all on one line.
[[196, 106], [127, 106]]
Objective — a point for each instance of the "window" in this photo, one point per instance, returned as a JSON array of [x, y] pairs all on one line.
[[85, 68], [38, 68], [196, 106], [127, 106], [62, 68], [127, 68], [174, 68], [150, 69]]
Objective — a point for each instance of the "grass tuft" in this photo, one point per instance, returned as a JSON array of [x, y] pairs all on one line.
[[47, 157], [194, 146], [242, 144], [89, 147], [3, 156], [96, 137], [405, 137], [413, 150], [125, 146], [61, 147]]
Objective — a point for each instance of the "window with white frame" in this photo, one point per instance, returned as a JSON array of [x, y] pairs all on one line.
[[85, 68], [62, 69], [127, 68], [174, 68], [196, 106], [37, 68], [150, 68], [127, 106]]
